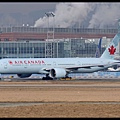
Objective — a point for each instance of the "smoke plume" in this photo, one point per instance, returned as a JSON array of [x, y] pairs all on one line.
[[82, 14]]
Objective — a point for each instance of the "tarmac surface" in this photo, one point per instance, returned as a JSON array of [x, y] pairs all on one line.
[[60, 99]]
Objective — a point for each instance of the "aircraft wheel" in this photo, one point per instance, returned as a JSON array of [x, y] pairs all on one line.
[[47, 78]]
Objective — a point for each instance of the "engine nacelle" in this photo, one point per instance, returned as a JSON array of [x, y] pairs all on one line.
[[57, 73], [24, 75]]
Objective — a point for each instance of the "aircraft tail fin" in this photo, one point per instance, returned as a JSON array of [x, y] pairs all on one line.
[[98, 49], [109, 52]]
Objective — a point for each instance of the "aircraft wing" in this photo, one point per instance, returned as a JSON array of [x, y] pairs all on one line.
[[90, 66], [46, 70]]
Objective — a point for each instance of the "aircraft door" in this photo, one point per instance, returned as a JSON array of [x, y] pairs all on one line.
[[54, 63], [78, 63], [5, 65], [25, 66]]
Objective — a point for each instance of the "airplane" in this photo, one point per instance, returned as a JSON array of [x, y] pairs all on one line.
[[112, 69], [56, 68]]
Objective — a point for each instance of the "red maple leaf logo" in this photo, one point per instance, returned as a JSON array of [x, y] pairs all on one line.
[[112, 50], [10, 62]]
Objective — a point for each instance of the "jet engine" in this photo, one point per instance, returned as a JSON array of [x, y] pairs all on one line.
[[24, 75], [57, 73]]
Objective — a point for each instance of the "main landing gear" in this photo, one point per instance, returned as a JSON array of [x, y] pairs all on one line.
[[47, 77]]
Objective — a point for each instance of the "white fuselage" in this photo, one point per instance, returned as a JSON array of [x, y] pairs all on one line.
[[36, 65]]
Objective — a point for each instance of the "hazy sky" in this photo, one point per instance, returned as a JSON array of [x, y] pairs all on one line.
[[66, 14], [11, 7]]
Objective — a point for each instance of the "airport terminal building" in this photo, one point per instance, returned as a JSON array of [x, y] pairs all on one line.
[[34, 42]]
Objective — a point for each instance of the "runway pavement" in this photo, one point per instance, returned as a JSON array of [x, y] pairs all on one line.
[[14, 104], [66, 85], [87, 89]]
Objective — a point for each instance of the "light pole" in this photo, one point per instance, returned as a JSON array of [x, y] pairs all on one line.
[[53, 51], [49, 49], [49, 14], [53, 15]]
